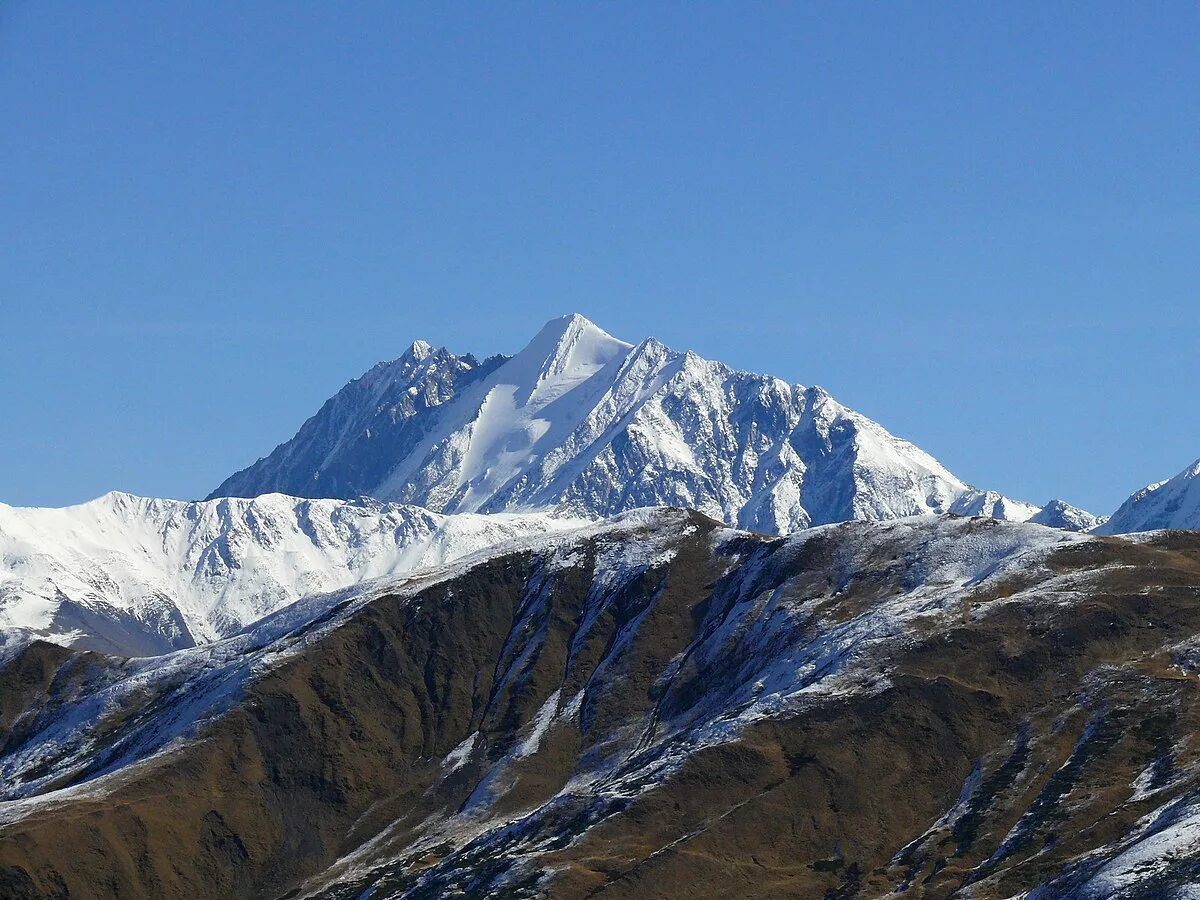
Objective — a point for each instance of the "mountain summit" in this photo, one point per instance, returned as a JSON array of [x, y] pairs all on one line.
[[583, 423], [1167, 504]]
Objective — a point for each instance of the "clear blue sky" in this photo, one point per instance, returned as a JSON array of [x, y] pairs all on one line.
[[976, 223]]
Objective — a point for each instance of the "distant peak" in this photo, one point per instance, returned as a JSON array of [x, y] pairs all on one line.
[[569, 326], [124, 499], [1059, 513], [419, 349], [571, 341], [652, 343], [576, 319], [111, 497]]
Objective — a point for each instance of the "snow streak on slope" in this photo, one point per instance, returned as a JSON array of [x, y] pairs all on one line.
[[655, 683], [202, 682], [368, 425], [583, 423], [138, 576], [766, 636], [1167, 504]]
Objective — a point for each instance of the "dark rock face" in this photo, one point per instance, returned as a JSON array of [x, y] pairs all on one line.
[[662, 704]]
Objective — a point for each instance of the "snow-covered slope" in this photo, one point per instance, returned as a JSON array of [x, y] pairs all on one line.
[[136, 576], [368, 425], [772, 647], [583, 423], [1061, 514], [993, 505], [1167, 504]]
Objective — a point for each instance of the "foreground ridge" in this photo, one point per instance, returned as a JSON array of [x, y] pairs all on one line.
[[924, 705]]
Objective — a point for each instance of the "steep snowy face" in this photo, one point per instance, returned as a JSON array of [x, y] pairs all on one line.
[[137, 576], [504, 424], [356, 437], [1167, 504], [582, 423]]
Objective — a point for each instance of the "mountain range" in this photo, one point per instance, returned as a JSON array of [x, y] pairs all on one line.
[[137, 576], [435, 455], [584, 424], [599, 619]]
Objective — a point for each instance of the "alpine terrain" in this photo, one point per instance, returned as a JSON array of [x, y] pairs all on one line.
[[655, 706], [137, 576], [599, 620], [1167, 504], [581, 423]]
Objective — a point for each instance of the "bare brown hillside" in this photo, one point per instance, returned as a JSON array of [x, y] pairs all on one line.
[[662, 708]]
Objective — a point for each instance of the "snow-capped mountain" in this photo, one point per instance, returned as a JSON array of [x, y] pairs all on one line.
[[137, 576], [583, 423], [975, 502], [1061, 514], [1166, 504]]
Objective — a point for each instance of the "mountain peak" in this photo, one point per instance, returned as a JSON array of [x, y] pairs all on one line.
[[581, 422], [1174, 503], [1061, 514], [116, 499], [419, 349], [568, 343], [572, 328], [977, 502], [569, 321]]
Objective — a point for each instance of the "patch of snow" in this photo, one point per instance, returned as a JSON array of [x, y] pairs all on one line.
[[537, 730], [1168, 836], [457, 758]]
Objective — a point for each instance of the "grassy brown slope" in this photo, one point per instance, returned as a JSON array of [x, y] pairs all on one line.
[[1058, 706], [276, 788], [826, 804], [329, 748]]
